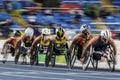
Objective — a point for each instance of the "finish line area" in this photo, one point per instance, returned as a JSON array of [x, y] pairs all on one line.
[[11, 71]]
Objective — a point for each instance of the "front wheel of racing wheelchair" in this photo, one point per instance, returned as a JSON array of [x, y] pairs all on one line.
[[21, 53], [73, 56], [50, 58], [34, 56], [8, 48], [110, 59]]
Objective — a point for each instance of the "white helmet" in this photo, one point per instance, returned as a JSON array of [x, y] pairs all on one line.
[[29, 32], [85, 28], [105, 34], [45, 31]]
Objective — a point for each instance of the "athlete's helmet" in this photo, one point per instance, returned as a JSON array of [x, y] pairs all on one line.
[[85, 29], [29, 32], [45, 31], [17, 33], [106, 34], [60, 32]]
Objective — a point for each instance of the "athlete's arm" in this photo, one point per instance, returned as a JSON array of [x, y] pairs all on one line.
[[88, 44], [34, 44], [18, 41], [7, 41], [114, 46], [74, 41]]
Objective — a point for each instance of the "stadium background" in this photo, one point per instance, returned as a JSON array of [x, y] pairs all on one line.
[[70, 14]]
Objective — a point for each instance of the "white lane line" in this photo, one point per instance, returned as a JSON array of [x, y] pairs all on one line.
[[25, 76], [75, 71], [64, 69], [63, 74]]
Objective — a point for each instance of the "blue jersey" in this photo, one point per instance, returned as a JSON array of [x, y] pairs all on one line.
[[100, 46]]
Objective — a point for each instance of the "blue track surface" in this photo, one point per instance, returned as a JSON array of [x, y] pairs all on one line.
[[11, 71]]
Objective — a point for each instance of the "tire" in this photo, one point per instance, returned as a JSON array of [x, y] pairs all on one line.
[[53, 59], [73, 55], [87, 58], [111, 59], [34, 57], [5, 53], [49, 54], [17, 56]]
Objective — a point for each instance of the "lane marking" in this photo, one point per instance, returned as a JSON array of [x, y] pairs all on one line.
[[50, 78], [63, 74]]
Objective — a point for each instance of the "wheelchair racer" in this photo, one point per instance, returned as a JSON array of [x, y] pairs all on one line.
[[11, 41], [43, 39], [26, 39], [81, 39], [60, 40], [100, 44]]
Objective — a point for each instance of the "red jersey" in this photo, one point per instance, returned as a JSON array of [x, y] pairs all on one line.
[[84, 40], [12, 40]]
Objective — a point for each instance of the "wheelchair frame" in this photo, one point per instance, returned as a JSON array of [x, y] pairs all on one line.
[[34, 59], [21, 54], [51, 56], [110, 60], [89, 58], [5, 51]]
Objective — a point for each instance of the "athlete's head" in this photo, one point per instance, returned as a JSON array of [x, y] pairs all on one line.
[[85, 29], [60, 32], [17, 33], [105, 35], [29, 32], [45, 31]]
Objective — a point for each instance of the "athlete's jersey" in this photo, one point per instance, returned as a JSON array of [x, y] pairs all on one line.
[[63, 40], [99, 46], [12, 40], [84, 40], [44, 43]]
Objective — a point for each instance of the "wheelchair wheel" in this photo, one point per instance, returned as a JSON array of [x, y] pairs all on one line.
[[87, 58], [23, 56], [73, 55], [52, 62], [67, 58], [49, 54], [111, 59], [34, 57], [95, 64], [17, 55], [5, 53]]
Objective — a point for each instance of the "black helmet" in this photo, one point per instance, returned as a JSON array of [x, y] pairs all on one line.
[[60, 32], [17, 33]]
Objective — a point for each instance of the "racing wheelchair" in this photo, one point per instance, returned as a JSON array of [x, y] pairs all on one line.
[[73, 56], [38, 50], [110, 59], [8, 48], [21, 51], [89, 58], [56, 49]]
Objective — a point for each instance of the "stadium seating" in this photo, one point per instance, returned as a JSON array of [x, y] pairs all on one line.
[[4, 16]]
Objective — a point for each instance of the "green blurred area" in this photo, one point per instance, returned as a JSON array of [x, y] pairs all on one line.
[[59, 59]]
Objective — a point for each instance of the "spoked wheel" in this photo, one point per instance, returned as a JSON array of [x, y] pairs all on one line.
[[23, 56], [49, 54], [17, 55], [52, 62], [34, 57], [73, 55], [67, 58], [5, 53], [95, 64], [87, 58], [111, 59]]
